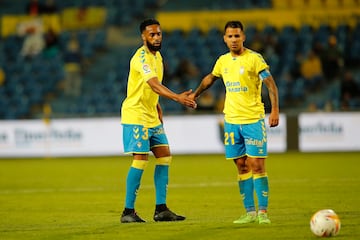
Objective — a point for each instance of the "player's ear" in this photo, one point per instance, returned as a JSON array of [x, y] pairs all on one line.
[[244, 37], [143, 37]]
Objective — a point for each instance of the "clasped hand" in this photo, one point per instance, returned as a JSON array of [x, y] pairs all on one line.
[[186, 99]]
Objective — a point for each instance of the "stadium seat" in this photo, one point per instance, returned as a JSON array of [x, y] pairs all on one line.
[[269, 30], [99, 39], [322, 34], [298, 89], [287, 35]]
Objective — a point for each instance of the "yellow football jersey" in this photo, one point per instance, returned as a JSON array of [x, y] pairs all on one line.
[[139, 107], [243, 86]]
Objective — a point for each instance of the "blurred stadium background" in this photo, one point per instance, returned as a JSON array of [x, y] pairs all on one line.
[[313, 48]]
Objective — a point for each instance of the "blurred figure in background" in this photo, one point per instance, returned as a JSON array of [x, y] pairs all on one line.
[[51, 43], [207, 102], [349, 90], [2, 76], [311, 70], [49, 7], [73, 68], [34, 43], [188, 73], [47, 111], [332, 59], [257, 44], [312, 107]]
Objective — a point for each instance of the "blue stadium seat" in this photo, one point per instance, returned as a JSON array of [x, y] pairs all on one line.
[[269, 30], [194, 36], [274, 63], [298, 89], [123, 15], [87, 50], [82, 36], [99, 39], [287, 34], [355, 50], [12, 47], [342, 34], [250, 32], [64, 38], [322, 34]]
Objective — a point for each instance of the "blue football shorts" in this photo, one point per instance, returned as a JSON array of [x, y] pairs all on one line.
[[139, 139], [245, 139]]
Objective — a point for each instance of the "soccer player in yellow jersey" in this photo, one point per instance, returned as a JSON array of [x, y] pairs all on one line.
[[243, 71], [141, 117]]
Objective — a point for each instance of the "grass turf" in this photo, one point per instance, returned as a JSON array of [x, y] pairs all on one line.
[[82, 198]]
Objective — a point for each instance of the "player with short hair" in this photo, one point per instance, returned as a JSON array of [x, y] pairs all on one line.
[[243, 71], [141, 118]]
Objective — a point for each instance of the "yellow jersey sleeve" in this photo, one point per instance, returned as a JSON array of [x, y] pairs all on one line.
[[217, 68]]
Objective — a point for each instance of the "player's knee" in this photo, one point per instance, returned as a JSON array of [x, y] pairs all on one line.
[[257, 165], [242, 166], [258, 169], [163, 160]]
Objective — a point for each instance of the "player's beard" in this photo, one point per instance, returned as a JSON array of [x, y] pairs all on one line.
[[153, 47]]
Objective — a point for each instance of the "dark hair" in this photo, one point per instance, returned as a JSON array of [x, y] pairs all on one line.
[[148, 22], [234, 24]]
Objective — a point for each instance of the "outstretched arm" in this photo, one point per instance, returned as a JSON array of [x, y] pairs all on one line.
[[274, 99], [206, 82], [163, 91]]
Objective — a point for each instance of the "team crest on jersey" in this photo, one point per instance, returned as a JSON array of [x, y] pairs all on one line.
[[146, 68], [242, 70]]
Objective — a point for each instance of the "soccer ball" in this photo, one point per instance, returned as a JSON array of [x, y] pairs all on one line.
[[325, 223]]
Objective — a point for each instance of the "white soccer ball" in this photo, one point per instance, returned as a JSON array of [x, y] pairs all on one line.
[[325, 223]]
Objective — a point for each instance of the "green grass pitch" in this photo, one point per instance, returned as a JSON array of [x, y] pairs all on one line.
[[82, 198]]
